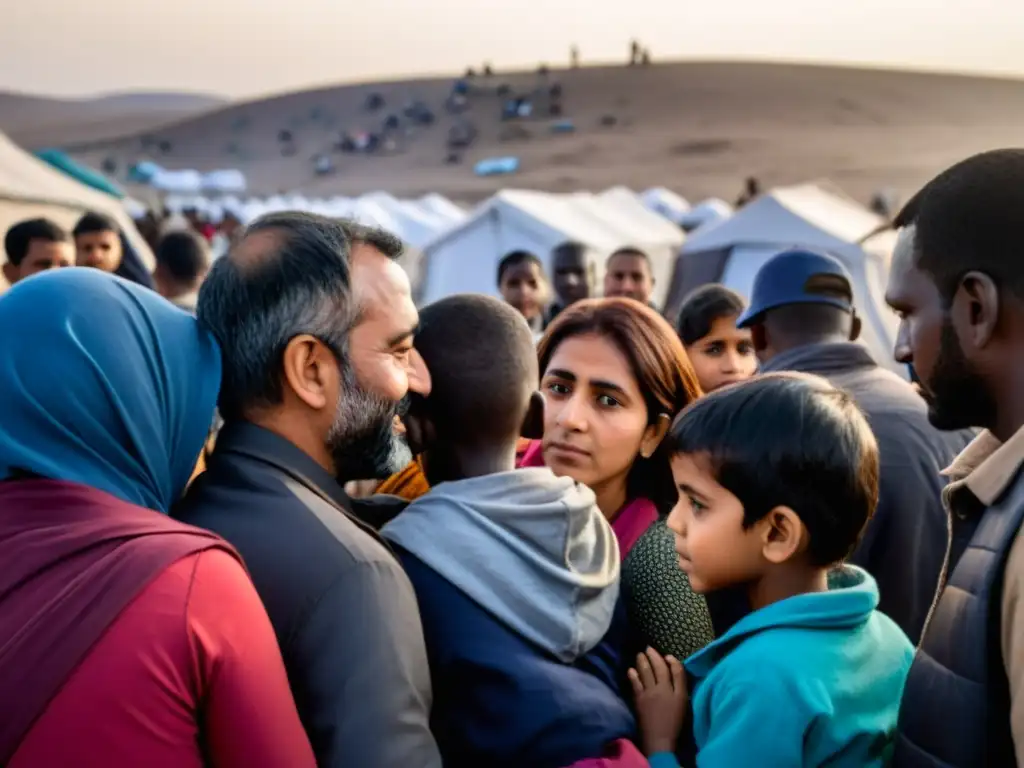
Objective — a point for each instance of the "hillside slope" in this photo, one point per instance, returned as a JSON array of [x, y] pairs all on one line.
[[696, 127], [38, 121]]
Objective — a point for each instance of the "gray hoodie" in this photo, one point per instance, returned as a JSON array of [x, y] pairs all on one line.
[[531, 548]]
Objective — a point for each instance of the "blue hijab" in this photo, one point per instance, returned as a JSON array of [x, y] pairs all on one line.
[[103, 383]]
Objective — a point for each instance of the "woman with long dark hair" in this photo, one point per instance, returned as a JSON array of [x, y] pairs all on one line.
[[613, 376]]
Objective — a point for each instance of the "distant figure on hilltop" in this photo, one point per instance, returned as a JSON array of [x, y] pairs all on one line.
[[574, 57], [751, 190], [635, 53]]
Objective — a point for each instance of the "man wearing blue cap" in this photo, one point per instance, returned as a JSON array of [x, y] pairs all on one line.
[[802, 318]]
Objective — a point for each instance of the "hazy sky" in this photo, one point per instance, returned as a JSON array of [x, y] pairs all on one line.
[[250, 47]]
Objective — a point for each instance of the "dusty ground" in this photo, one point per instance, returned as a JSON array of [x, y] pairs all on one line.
[[699, 128]]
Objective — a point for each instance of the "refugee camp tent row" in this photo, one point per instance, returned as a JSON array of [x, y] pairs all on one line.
[[31, 188], [441, 206], [678, 210], [465, 258], [416, 224], [812, 216], [665, 202], [415, 221], [706, 213]]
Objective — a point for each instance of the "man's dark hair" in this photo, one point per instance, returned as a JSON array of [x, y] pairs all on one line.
[[806, 323], [483, 365], [702, 307], [515, 259], [630, 250], [185, 255], [19, 237], [95, 222], [261, 295], [789, 440], [969, 218]]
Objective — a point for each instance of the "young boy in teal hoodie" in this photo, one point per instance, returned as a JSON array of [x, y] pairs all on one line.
[[777, 478]]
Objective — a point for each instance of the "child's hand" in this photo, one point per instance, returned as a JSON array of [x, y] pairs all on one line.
[[659, 685]]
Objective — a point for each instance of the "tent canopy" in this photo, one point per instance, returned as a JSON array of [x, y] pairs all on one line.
[[443, 207], [629, 203], [79, 172], [416, 226], [665, 203], [29, 188], [705, 214], [812, 216], [465, 259]]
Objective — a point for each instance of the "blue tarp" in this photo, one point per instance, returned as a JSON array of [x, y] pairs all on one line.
[[496, 166], [77, 171]]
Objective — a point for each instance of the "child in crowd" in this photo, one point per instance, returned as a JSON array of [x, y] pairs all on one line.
[[100, 244], [720, 352], [36, 245], [523, 285], [777, 478], [516, 571]]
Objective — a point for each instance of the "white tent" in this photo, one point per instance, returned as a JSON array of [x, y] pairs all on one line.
[[705, 214], [629, 203], [665, 202], [810, 216], [443, 207], [372, 214], [415, 226], [465, 259], [29, 188]]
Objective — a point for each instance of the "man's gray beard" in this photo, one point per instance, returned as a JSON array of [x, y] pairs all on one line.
[[362, 440]]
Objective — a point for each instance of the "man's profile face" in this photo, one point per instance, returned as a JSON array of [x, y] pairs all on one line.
[[100, 250], [571, 276], [629, 275], [42, 255], [381, 369], [927, 339]]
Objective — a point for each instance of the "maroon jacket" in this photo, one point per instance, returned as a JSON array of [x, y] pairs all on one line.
[[73, 559]]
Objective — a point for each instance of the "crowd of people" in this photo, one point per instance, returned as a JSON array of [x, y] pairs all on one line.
[[597, 537]]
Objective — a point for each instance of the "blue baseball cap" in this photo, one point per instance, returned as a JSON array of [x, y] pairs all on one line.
[[788, 278]]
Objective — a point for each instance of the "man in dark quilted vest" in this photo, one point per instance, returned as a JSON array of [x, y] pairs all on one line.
[[957, 282]]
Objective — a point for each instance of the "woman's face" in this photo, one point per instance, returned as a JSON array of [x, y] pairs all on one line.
[[724, 356], [595, 418]]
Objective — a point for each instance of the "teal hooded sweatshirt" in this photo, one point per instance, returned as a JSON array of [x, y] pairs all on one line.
[[813, 680]]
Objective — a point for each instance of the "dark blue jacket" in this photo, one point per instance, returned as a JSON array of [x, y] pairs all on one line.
[[501, 701], [955, 711]]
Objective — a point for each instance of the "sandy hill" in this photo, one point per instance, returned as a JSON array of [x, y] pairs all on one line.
[[37, 121], [697, 127]]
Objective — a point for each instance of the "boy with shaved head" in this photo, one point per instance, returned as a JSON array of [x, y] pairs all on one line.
[[516, 571]]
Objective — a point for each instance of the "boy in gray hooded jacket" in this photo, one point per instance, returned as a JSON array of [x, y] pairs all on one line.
[[516, 570]]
